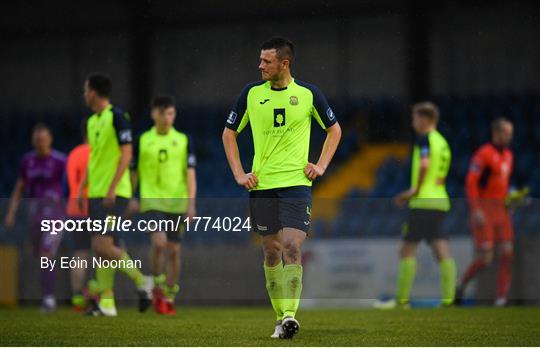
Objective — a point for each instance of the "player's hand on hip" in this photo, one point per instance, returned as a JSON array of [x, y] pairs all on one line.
[[478, 218], [313, 171], [248, 181], [402, 198]]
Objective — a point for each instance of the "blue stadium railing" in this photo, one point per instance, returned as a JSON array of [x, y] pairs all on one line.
[[465, 123]]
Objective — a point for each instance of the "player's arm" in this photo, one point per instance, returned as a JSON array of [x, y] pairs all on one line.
[[424, 164], [126, 152], [236, 121], [123, 134], [134, 177], [230, 144], [322, 112], [333, 136], [192, 179], [134, 166], [472, 182], [80, 192], [403, 197], [14, 202]]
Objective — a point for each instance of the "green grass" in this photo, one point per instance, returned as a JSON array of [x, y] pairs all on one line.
[[194, 326]]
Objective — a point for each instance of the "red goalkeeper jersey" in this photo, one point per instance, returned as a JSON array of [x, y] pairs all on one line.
[[489, 174]]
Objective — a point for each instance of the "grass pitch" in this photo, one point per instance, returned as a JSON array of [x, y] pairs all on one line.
[[239, 326]]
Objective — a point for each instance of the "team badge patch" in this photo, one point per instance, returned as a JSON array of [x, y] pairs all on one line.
[[125, 135], [232, 117], [330, 114], [293, 100]]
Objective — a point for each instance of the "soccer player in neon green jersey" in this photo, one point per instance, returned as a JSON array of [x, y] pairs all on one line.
[[428, 205], [279, 109], [109, 189], [165, 168]]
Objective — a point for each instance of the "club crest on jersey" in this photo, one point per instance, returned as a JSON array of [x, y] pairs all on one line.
[[330, 114], [293, 100], [232, 117]]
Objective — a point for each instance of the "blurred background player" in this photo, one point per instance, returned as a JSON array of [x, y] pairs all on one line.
[[164, 166], [428, 205], [41, 179], [279, 109], [109, 188], [77, 162], [487, 185]]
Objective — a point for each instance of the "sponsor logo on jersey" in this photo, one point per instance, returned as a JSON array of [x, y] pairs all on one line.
[[279, 117]]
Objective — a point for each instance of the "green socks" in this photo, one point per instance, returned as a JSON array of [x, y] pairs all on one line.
[[170, 291], [274, 286], [105, 276], [159, 280], [406, 273], [284, 285], [133, 273], [448, 271], [292, 284], [105, 280]]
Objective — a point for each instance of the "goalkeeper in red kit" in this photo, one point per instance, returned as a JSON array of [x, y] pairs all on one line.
[[487, 186]]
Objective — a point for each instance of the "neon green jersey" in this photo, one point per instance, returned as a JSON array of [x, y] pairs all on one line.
[[107, 131], [432, 194], [280, 123], [162, 163]]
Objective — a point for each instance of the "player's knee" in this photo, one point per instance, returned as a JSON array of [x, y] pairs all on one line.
[[272, 257], [173, 249], [46, 254], [406, 251], [486, 258], [507, 255], [100, 249], [292, 251], [506, 248], [159, 246]]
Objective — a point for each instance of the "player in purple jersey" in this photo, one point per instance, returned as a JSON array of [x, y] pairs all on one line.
[[41, 176]]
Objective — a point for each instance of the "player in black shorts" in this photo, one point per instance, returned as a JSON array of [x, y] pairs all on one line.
[[280, 110]]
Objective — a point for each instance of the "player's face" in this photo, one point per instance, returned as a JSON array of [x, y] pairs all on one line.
[[42, 140], [271, 66], [89, 94], [420, 124], [164, 117], [503, 136]]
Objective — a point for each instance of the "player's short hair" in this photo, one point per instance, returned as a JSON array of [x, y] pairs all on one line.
[[497, 123], [100, 83], [40, 127], [426, 109], [284, 47], [163, 102]]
